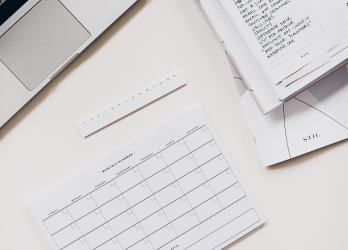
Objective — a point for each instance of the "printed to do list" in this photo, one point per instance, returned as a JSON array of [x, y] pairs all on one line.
[[174, 189]]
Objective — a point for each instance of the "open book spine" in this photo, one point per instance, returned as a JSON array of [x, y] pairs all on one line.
[[240, 56]]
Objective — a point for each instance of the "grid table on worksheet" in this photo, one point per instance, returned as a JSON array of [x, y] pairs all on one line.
[[183, 193]]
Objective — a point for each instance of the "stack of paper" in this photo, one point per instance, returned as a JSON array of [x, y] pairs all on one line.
[[281, 47]]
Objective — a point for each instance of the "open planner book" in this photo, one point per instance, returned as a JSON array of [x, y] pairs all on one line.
[[281, 47]]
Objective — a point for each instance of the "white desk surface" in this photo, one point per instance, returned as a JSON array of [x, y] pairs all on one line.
[[304, 200]]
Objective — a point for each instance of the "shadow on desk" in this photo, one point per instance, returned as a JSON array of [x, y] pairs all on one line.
[[89, 52]]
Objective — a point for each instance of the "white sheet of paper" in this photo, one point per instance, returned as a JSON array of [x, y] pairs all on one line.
[[313, 119], [284, 36], [174, 189], [337, 13]]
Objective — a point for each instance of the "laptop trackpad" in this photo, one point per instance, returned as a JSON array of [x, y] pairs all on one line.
[[40, 41]]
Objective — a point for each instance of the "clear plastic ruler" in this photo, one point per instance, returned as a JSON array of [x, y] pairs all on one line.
[[130, 104]]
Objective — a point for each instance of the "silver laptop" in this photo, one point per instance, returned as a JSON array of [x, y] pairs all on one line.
[[38, 38]]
